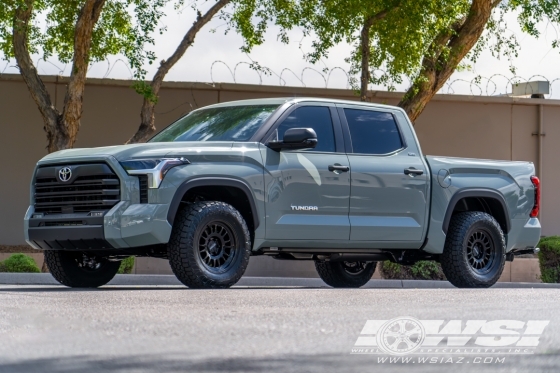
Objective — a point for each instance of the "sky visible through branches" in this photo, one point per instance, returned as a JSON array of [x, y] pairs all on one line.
[[216, 57]]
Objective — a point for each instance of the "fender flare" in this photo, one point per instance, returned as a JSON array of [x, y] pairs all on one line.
[[475, 192], [211, 181]]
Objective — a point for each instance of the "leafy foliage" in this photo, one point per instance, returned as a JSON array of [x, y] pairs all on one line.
[[126, 266], [124, 27], [549, 259], [19, 263], [422, 270], [399, 40], [145, 90], [412, 30]]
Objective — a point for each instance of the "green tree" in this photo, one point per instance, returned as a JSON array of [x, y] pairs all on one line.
[[389, 36], [151, 91], [422, 40], [480, 27], [248, 17], [77, 32]]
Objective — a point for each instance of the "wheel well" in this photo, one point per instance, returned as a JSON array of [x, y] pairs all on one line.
[[228, 194], [489, 205]]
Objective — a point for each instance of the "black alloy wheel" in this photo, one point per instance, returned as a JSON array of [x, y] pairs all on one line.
[[210, 245], [475, 250], [480, 252], [216, 246]]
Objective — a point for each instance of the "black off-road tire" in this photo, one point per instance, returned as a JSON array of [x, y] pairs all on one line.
[[339, 274], [459, 262], [194, 254], [67, 268]]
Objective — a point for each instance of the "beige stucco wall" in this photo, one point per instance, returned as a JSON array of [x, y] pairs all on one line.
[[452, 125]]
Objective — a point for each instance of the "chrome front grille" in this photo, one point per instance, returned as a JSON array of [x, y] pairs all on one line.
[[91, 187]]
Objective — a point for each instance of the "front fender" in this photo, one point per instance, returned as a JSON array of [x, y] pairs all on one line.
[[211, 181]]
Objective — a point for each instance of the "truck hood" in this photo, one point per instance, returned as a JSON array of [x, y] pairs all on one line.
[[148, 150]]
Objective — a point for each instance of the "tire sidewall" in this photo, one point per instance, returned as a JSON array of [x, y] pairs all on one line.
[[183, 250], [64, 267]]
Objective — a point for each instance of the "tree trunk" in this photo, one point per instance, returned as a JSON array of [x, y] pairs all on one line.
[[437, 67], [147, 114], [61, 128], [29, 73], [366, 50], [73, 101]]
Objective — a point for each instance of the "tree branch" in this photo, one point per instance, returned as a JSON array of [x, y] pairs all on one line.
[[496, 3], [437, 68], [366, 51], [28, 71], [73, 101], [147, 114]]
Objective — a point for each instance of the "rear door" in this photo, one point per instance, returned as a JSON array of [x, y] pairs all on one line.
[[389, 179], [305, 199]]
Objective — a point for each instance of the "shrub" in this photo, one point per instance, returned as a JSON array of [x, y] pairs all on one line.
[[549, 259], [20, 263], [126, 266], [422, 270]]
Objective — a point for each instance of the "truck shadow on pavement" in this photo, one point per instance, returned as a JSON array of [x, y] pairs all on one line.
[[320, 363], [63, 289]]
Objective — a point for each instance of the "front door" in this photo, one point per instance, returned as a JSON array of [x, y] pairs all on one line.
[[304, 200], [389, 181]]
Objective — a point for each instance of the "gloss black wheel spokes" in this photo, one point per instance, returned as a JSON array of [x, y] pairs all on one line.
[[480, 251], [216, 246]]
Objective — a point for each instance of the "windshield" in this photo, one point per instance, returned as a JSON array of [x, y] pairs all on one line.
[[230, 123]]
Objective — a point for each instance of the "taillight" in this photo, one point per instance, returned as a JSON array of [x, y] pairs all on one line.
[[537, 205]]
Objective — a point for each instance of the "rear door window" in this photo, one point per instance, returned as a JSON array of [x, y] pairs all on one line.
[[373, 132]]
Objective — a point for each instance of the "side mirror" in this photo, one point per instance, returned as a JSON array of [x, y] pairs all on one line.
[[295, 138]]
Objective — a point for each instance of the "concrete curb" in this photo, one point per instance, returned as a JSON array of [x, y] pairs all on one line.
[[167, 280]]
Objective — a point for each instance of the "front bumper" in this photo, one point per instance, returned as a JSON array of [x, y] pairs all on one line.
[[67, 232], [124, 226], [127, 224]]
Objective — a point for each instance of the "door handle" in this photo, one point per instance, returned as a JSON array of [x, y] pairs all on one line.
[[337, 167], [412, 171]]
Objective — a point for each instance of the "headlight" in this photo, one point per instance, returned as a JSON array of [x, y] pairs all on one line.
[[155, 169]]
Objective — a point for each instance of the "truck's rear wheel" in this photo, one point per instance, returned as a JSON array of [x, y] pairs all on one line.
[[475, 250], [210, 245], [80, 270], [345, 274]]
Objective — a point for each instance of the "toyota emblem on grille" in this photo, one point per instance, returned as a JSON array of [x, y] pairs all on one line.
[[65, 174]]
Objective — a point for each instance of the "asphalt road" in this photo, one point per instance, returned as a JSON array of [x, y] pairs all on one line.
[[247, 329]]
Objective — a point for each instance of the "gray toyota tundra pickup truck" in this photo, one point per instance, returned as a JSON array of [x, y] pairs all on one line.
[[342, 183]]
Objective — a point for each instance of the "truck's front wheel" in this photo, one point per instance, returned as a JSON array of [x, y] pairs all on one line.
[[345, 274], [474, 252], [210, 245], [80, 270]]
